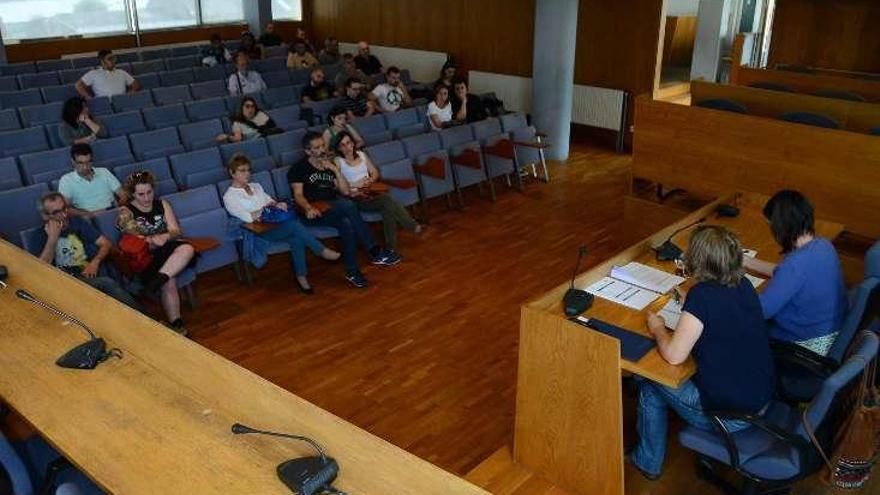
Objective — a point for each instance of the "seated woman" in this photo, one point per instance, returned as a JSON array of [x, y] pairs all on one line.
[[440, 110], [805, 298], [245, 200], [722, 327], [338, 124], [466, 107], [360, 172], [250, 122], [77, 123], [154, 221], [447, 75]]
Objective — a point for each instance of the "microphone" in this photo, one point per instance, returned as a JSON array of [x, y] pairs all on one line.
[[303, 475], [576, 301], [668, 251], [86, 356]]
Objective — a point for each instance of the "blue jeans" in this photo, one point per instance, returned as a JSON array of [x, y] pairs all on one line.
[[344, 216], [298, 237], [654, 401]]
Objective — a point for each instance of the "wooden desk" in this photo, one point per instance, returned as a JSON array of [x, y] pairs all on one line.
[[807, 83], [158, 420], [569, 424]]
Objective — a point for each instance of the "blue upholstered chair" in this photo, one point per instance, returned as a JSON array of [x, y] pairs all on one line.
[[276, 79], [149, 81], [775, 451], [373, 129], [810, 118], [132, 101], [8, 83], [282, 96], [404, 123], [216, 72], [466, 157], [253, 149], [723, 104], [287, 148], [112, 152], [138, 68], [30, 140], [167, 116], [19, 210], [287, 118], [38, 80], [183, 165], [28, 465], [18, 68], [208, 89], [182, 62], [171, 94], [875, 131], [44, 166], [177, 77], [9, 176], [9, 120], [59, 93], [157, 166], [211, 108], [124, 123], [155, 144], [199, 135], [54, 65], [21, 98]]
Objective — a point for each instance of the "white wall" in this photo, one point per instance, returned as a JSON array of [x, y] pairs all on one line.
[[675, 8]]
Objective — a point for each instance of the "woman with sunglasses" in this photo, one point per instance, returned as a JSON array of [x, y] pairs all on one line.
[[154, 221], [250, 122]]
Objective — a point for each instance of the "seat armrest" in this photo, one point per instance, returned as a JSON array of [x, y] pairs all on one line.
[[399, 183], [202, 244], [532, 144], [258, 227], [757, 421]]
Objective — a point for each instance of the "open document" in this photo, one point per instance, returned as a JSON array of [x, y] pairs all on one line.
[[634, 285]]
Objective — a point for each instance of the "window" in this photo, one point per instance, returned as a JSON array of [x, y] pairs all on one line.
[[220, 11], [287, 10], [26, 19], [161, 14]]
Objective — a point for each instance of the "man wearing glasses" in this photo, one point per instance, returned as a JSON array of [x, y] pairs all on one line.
[[106, 80], [73, 245], [89, 189], [244, 80]]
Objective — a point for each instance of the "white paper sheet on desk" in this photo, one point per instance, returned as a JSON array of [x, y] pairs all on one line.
[[756, 281], [671, 313], [646, 277], [623, 293], [749, 253]]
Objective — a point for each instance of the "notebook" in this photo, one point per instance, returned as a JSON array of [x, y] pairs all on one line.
[[634, 285]]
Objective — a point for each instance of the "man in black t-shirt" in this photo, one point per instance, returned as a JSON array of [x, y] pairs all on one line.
[[269, 38], [319, 189], [318, 89], [369, 64], [355, 101], [74, 246], [466, 107]]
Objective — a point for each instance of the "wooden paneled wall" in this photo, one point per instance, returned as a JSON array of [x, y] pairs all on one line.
[[835, 34], [487, 35], [678, 47]]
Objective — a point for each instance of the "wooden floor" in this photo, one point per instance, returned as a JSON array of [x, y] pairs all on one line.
[[426, 357]]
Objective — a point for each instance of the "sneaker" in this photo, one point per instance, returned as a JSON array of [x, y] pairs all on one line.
[[387, 257], [356, 279], [177, 326]]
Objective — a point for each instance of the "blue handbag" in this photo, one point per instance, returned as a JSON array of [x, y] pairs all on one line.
[[273, 214]]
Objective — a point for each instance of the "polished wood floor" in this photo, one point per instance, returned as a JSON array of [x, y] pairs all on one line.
[[426, 357]]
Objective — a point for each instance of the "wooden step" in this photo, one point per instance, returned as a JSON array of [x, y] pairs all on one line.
[[500, 475]]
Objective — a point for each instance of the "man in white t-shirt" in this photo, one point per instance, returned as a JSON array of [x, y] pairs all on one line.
[[244, 80], [106, 80], [393, 94]]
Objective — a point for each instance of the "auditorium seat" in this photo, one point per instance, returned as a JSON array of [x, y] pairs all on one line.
[[46, 113], [301, 76], [723, 104], [86, 62], [149, 81], [282, 97], [154, 144], [9, 120], [282, 187], [253, 149], [184, 164], [466, 156], [233, 101], [124, 123], [404, 123], [194, 201], [9, 176], [207, 89], [209, 73], [30, 140], [320, 109], [771, 86], [184, 62], [276, 79], [176, 77], [172, 94], [71, 76], [875, 131], [187, 50], [373, 129], [166, 116], [286, 148], [19, 211], [157, 166], [287, 118], [100, 106], [155, 54], [199, 135], [212, 224], [45, 166], [276, 51], [839, 94], [59, 93], [112, 152], [54, 65], [424, 150], [53, 136], [8, 83], [810, 118], [132, 101], [18, 68], [38, 80], [126, 58], [267, 65], [21, 98], [138, 68], [211, 108], [488, 132]]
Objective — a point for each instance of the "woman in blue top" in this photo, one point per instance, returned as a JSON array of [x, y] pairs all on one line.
[[722, 327], [805, 299]]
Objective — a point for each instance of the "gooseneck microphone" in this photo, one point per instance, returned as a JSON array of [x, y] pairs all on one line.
[[668, 251], [303, 475], [576, 301], [85, 356]]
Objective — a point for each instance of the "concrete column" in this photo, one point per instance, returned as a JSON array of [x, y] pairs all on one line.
[[257, 13], [713, 26], [553, 71], [2, 51]]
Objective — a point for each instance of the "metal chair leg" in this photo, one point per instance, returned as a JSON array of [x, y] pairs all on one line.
[[423, 203], [191, 297], [456, 185], [489, 178]]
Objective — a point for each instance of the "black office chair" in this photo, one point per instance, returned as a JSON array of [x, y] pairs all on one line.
[[771, 86], [810, 118], [840, 95], [724, 105]]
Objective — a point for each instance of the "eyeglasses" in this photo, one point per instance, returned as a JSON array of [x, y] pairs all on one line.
[[249, 105], [55, 213]]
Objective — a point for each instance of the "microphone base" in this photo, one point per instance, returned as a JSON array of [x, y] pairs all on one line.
[[668, 251], [576, 301], [308, 475], [85, 356]]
